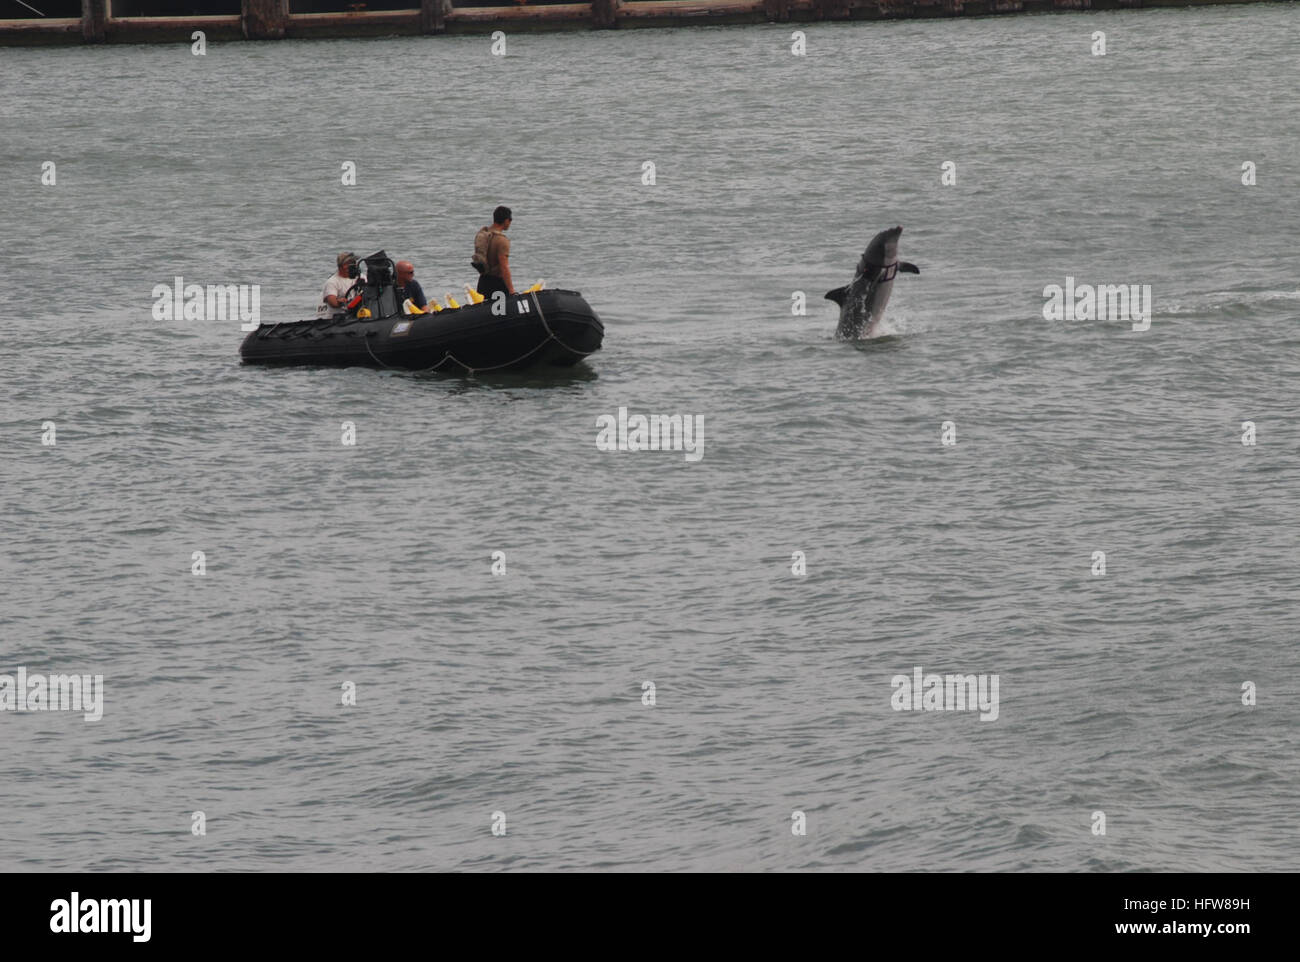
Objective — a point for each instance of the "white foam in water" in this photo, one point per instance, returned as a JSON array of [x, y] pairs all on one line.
[[1217, 300], [898, 325]]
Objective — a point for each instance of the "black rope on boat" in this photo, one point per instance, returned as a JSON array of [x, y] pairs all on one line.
[[554, 336], [366, 340], [550, 336]]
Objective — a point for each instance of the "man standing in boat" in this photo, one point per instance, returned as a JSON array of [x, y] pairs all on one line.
[[492, 254], [331, 301]]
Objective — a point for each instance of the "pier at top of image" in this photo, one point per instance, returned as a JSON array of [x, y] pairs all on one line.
[[145, 21]]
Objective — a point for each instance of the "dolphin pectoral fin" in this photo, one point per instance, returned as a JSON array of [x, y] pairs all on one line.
[[838, 295], [908, 268]]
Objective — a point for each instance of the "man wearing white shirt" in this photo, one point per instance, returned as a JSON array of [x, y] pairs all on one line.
[[332, 299]]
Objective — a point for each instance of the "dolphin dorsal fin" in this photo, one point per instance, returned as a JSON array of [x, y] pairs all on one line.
[[838, 294]]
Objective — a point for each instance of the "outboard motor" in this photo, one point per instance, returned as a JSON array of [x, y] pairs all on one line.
[[379, 294]]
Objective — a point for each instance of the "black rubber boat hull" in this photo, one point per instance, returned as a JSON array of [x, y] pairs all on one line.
[[545, 328]]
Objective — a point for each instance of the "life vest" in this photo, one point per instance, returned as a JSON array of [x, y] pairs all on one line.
[[482, 245]]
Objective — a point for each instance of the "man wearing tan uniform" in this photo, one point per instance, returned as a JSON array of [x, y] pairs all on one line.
[[492, 254]]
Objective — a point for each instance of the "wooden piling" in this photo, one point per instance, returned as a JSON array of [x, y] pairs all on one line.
[[604, 13], [777, 11], [264, 19], [94, 16], [433, 15]]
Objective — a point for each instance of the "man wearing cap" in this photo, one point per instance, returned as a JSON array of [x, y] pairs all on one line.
[[492, 254], [331, 301]]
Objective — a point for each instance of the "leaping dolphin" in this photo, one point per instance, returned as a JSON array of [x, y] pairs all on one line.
[[862, 303]]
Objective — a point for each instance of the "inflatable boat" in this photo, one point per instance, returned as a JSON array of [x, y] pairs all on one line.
[[517, 332]]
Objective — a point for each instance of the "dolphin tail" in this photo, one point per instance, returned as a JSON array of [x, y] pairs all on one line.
[[907, 268], [838, 294]]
